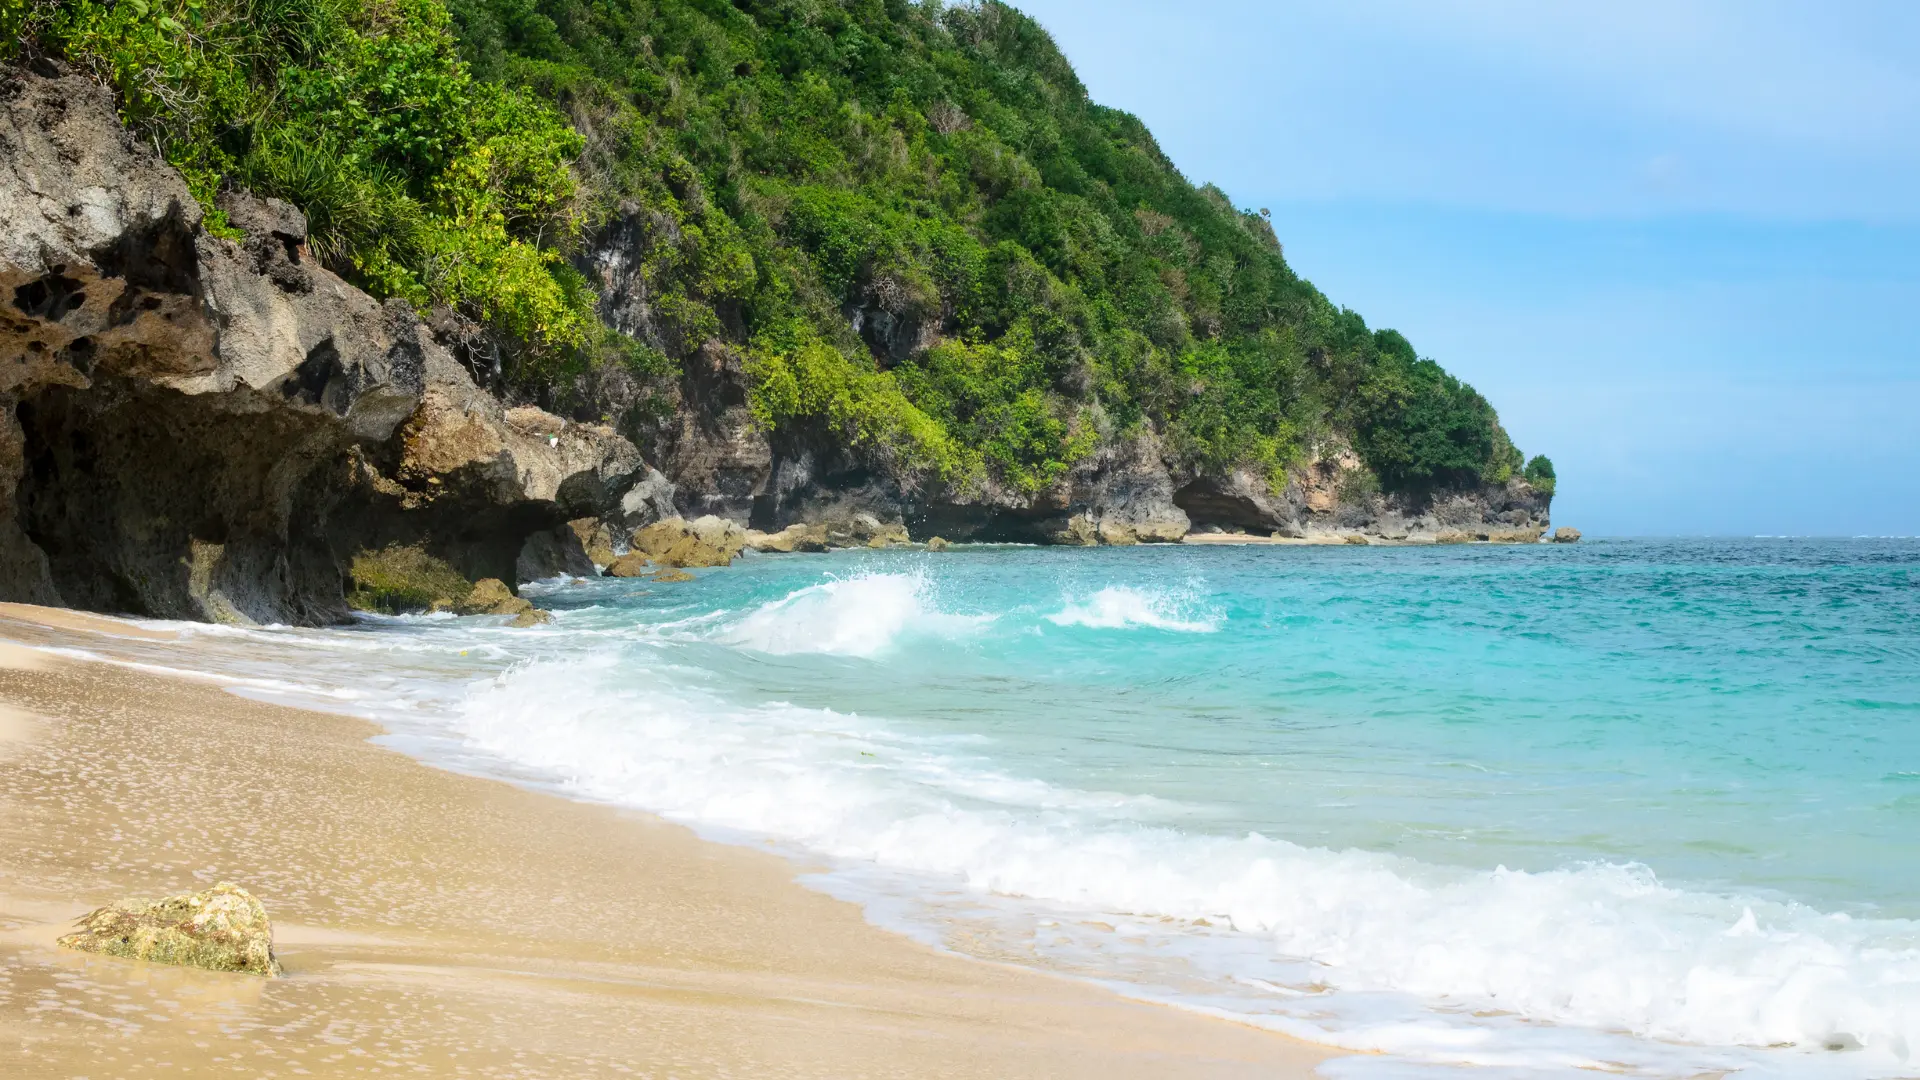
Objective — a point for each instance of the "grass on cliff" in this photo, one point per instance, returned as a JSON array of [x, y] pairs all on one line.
[[1030, 274]]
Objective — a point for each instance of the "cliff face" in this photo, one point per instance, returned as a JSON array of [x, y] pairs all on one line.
[[203, 428], [193, 427], [720, 461]]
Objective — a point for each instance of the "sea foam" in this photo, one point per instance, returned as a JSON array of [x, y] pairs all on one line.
[[861, 616], [951, 831], [1460, 955], [1119, 607]]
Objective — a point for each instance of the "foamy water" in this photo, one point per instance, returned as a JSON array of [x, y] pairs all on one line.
[[1643, 809]]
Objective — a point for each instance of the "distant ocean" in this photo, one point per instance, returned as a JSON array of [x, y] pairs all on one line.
[[1644, 806]]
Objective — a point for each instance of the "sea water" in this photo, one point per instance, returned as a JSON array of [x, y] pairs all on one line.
[[1645, 806]]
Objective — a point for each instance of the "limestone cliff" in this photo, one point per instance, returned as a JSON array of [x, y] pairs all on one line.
[[194, 427], [208, 428]]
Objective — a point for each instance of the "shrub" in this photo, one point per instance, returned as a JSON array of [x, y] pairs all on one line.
[[418, 181], [1539, 473], [782, 167]]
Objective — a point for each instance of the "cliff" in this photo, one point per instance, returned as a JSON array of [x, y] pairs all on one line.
[[213, 400], [211, 429]]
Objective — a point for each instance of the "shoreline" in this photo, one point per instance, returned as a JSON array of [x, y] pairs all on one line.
[[440, 921]]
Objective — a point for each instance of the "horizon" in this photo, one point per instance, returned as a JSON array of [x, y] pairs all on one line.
[[1671, 246]]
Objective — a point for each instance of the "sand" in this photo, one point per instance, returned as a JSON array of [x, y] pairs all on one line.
[[433, 924]]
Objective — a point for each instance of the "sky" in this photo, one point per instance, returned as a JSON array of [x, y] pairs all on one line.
[[1676, 244]]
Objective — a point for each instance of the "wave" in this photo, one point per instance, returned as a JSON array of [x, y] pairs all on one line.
[[1324, 932], [1119, 607], [857, 616]]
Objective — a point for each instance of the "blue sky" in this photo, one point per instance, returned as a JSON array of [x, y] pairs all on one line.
[[1677, 244]]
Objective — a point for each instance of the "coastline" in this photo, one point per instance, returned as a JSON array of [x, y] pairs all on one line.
[[436, 921]]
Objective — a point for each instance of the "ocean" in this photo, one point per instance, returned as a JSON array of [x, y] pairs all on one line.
[[1644, 806]]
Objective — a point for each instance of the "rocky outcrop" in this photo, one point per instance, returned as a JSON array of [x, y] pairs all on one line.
[[705, 541], [1334, 496], [177, 398], [204, 428], [222, 929], [193, 427]]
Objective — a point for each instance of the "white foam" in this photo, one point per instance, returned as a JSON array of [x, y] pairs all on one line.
[[1605, 947], [856, 616], [1588, 967], [1119, 607]]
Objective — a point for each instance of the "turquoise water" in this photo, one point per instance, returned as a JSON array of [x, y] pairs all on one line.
[[1646, 806]]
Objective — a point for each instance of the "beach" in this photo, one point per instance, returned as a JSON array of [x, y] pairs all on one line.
[[439, 924]]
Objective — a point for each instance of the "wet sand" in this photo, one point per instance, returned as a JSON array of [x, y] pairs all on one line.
[[433, 924]]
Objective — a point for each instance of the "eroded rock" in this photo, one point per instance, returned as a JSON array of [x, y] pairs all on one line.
[[790, 539], [631, 565], [204, 429], [221, 929], [491, 596], [677, 542]]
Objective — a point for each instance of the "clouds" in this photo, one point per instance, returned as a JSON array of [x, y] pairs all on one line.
[[1622, 108]]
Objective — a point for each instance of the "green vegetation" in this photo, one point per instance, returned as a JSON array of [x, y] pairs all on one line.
[[1031, 273], [395, 580], [1539, 473]]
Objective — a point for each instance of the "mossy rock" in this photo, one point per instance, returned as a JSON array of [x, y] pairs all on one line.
[[631, 565], [487, 597], [790, 539], [222, 929], [671, 574], [490, 596], [707, 541], [937, 544], [398, 579], [1356, 538]]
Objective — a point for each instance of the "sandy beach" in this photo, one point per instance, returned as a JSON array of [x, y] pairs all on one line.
[[438, 924]]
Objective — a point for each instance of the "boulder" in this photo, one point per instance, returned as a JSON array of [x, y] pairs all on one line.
[[790, 539], [222, 929], [706, 541], [669, 574], [491, 596], [631, 565], [1566, 535], [937, 544]]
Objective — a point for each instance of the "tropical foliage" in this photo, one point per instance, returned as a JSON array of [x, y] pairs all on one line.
[[909, 217]]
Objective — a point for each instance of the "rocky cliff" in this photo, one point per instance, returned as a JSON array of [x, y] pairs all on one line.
[[203, 428], [209, 428]]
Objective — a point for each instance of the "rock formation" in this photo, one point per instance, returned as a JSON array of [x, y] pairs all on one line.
[[203, 428], [193, 427], [222, 929]]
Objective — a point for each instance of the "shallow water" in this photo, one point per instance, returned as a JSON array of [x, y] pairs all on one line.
[[1647, 806]]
